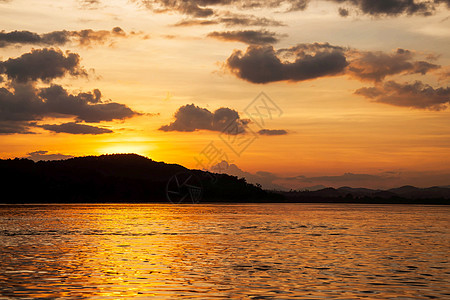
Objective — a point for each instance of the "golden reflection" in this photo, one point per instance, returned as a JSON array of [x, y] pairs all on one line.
[[223, 251]]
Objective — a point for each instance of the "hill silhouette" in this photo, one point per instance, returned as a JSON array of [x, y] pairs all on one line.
[[134, 178], [112, 178], [401, 195]]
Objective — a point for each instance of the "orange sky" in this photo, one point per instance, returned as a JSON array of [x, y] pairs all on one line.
[[396, 128]]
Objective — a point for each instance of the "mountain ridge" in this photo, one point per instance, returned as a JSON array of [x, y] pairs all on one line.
[[135, 178], [112, 178]]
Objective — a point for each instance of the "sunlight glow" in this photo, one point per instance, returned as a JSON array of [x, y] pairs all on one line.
[[116, 148]]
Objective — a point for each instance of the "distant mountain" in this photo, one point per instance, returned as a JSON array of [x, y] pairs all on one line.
[[405, 194], [115, 178], [411, 192], [314, 188]]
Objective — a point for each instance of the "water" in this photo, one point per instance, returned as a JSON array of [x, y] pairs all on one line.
[[269, 251]]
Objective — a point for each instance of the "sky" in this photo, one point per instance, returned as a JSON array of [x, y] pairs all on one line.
[[289, 94]]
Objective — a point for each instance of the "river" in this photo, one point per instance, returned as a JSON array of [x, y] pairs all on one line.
[[212, 251]]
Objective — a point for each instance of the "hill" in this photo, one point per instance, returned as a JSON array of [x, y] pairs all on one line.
[[113, 178], [401, 195], [134, 178]]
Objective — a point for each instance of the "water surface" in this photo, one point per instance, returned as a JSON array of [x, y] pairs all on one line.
[[262, 251]]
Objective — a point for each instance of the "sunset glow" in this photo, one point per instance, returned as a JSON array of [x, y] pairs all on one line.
[[363, 90]]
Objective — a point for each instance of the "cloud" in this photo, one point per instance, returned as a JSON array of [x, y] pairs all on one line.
[[18, 37], [415, 95], [444, 74], [394, 7], [343, 12], [45, 64], [211, 12], [8, 127], [88, 36], [75, 128], [262, 64], [24, 104], [193, 7], [195, 22], [251, 37], [266, 179], [231, 20], [190, 118], [216, 8], [89, 4], [272, 132], [59, 101], [84, 37], [375, 66], [203, 8], [43, 155]]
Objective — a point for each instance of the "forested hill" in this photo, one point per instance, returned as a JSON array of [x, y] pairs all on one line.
[[134, 178], [114, 178]]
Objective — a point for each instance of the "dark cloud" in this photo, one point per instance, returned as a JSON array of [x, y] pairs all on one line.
[[393, 7], [55, 38], [195, 22], [75, 128], [8, 127], [25, 103], [215, 8], [89, 4], [44, 155], [262, 64], [45, 64], [343, 12], [87, 37], [251, 37], [231, 20], [204, 8], [210, 12], [19, 37], [192, 8], [272, 132], [416, 95], [118, 31], [375, 66], [84, 37], [84, 106], [190, 118], [305, 49]]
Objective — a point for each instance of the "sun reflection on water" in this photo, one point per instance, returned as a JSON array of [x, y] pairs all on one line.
[[223, 251]]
